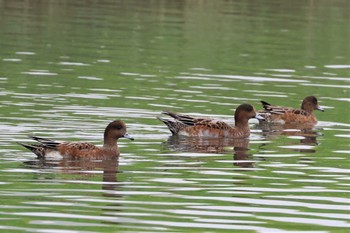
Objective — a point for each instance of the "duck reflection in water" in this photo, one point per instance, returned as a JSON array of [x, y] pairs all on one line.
[[80, 169], [306, 134], [212, 145]]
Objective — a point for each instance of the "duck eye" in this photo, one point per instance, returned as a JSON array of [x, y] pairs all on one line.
[[118, 127]]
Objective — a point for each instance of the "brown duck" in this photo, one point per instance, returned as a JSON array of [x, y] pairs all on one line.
[[288, 115], [211, 128], [114, 131]]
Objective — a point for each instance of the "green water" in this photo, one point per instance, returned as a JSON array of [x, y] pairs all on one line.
[[68, 68]]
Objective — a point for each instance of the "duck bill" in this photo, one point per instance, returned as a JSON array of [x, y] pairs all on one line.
[[319, 108], [259, 117], [128, 136]]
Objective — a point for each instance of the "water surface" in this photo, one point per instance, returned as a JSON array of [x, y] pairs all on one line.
[[68, 68]]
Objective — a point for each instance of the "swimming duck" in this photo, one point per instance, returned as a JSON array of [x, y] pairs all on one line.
[[205, 127], [288, 115], [114, 131]]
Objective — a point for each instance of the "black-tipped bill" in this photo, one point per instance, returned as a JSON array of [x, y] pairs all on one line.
[[128, 136], [259, 117], [319, 108]]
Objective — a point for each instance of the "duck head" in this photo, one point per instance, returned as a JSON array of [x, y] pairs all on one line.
[[310, 104]]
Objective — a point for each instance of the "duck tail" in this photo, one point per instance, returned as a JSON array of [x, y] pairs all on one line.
[[265, 104], [174, 126], [46, 143], [171, 114], [184, 119], [37, 149]]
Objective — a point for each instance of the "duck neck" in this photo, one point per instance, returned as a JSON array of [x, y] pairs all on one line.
[[241, 123], [307, 108], [109, 142], [242, 128]]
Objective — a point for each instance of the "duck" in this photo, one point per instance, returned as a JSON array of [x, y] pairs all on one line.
[[75, 150], [288, 115], [211, 128]]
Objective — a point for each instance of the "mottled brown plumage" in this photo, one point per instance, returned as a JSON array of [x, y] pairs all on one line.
[[204, 127], [114, 131], [288, 115]]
